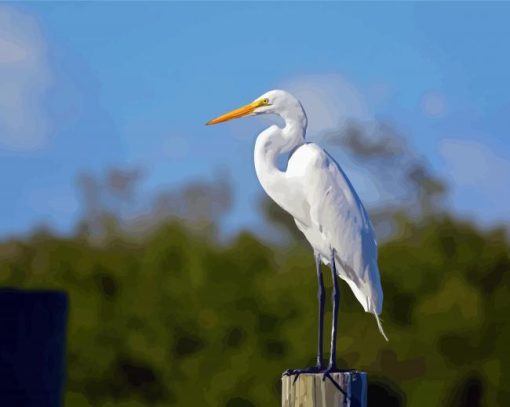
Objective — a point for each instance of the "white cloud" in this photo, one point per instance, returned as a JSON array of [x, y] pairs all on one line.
[[24, 79], [474, 164], [480, 178], [329, 101]]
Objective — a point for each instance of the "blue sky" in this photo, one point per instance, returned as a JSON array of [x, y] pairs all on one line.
[[89, 86]]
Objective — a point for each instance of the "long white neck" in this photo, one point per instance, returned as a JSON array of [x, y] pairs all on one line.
[[269, 145]]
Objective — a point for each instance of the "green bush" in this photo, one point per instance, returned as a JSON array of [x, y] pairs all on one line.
[[176, 318]]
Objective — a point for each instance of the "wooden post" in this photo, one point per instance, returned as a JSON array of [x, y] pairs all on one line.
[[311, 391]]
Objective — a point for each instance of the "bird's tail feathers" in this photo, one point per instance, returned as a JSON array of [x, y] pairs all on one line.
[[379, 325]]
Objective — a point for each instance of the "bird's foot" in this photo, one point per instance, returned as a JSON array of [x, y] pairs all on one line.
[[326, 374], [298, 372]]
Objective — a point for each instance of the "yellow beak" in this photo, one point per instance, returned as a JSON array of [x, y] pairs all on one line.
[[235, 114]]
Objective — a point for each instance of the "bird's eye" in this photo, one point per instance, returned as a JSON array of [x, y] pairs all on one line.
[[265, 101]]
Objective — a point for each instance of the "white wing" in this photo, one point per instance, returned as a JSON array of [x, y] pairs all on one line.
[[337, 220]]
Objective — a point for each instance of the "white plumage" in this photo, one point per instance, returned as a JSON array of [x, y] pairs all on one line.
[[337, 220], [318, 194]]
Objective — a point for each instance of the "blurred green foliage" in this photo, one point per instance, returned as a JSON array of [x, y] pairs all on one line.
[[176, 318], [164, 311]]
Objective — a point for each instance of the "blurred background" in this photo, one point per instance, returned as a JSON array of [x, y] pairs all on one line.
[[187, 286]]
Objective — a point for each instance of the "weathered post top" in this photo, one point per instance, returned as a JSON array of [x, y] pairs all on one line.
[[310, 390]]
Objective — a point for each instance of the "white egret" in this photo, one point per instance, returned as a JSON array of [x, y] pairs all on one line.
[[324, 204]]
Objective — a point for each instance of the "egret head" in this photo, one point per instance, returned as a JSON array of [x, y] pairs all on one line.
[[275, 101]]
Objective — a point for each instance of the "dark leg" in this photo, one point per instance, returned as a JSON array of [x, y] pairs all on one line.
[[321, 297], [336, 302]]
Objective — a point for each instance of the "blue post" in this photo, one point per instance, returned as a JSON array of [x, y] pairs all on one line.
[[32, 347]]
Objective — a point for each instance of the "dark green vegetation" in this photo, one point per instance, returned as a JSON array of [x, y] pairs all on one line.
[[176, 319], [163, 313]]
